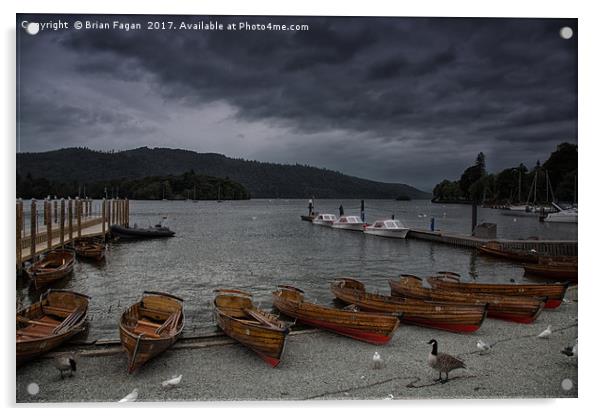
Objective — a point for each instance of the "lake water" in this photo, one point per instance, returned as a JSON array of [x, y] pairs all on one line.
[[255, 245]]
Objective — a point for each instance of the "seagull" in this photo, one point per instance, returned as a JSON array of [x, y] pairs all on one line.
[[377, 361], [444, 363], [389, 397], [570, 351], [172, 382], [546, 332], [130, 397], [65, 362], [483, 346]]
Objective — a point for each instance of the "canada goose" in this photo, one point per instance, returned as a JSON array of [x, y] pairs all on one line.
[[570, 351], [65, 362], [444, 363], [546, 332]]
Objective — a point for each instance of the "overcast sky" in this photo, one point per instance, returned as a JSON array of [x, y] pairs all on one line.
[[391, 99]]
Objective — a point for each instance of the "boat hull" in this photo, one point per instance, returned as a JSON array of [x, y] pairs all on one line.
[[236, 315], [553, 292], [547, 271], [496, 251], [42, 273], [140, 346], [443, 316], [140, 233], [387, 233], [510, 308], [369, 327], [351, 227], [29, 347]]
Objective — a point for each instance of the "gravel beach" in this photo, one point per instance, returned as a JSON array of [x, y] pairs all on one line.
[[321, 365]]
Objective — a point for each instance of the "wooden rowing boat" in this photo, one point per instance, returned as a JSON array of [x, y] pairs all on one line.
[[149, 327], [56, 265], [257, 329], [375, 328], [493, 248], [511, 308], [56, 317], [553, 270], [452, 317], [552, 292], [89, 248]]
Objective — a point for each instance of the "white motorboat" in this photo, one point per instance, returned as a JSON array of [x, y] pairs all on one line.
[[324, 219], [563, 215], [387, 228], [349, 222]]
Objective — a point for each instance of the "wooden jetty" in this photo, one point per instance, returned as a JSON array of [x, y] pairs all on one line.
[[554, 248], [65, 220]]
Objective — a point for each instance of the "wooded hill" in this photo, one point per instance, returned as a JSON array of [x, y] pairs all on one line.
[[82, 166]]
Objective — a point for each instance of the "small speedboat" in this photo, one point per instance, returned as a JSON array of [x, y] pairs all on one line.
[[324, 219], [158, 231], [387, 228], [349, 222]]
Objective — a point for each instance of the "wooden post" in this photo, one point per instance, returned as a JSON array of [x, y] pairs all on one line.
[[48, 211], [62, 224], [103, 216], [121, 209], [70, 218], [32, 234], [109, 213], [56, 218], [127, 212], [114, 220], [78, 211], [19, 233]]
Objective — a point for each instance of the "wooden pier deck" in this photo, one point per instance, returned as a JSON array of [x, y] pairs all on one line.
[[63, 222], [548, 247]]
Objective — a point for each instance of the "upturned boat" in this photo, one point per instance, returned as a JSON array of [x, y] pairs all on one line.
[[495, 249], [55, 318], [56, 265], [452, 317], [552, 292], [375, 328], [150, 326], [89, 248], [553, 270], [512, 308], [257, 329]]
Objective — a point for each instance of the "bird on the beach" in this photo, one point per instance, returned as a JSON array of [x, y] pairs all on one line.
[[444, 363], [512, 281], [483, 346], [570, 351], [65, 362], [546, 332], [130, 397], [389, 397], [377, 361], [172, 382]]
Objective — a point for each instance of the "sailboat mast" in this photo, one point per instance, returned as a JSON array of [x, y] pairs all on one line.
[[519, 183]]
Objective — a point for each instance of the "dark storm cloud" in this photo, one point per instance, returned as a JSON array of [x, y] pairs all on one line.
[[406, 88]]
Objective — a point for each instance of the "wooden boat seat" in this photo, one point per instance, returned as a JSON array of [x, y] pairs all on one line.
[[146, 330], [154, 312], [57, 311]]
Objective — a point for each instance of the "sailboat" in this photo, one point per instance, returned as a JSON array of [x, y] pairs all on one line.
[[563, 215]]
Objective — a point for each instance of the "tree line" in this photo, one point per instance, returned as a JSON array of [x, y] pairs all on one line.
[[555, 179]]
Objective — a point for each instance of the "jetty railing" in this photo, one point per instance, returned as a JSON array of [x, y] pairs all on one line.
[[62, 222]]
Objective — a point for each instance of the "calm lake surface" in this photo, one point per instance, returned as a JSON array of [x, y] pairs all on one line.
[[255, 245]]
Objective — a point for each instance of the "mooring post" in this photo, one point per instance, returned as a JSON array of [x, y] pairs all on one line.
[[62, 224], [114, 220], [78, 212], [103, 216], [19, 234], [127, 212], [48, 207], [70, 217], [32, 233], [109, 213], [474, 216], [56, 218], [362, 214]]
